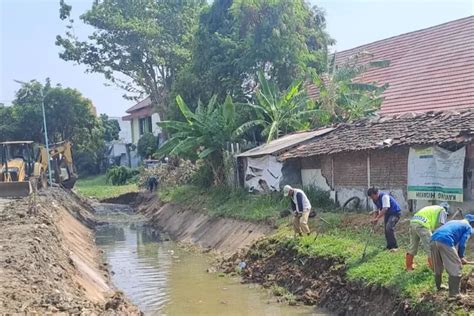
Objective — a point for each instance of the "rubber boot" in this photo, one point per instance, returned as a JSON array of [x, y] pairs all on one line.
[[454, 286], [438, 281], [430, 263], [409, 262]]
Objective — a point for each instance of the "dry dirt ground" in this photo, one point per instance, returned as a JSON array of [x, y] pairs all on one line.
[[49, 262]]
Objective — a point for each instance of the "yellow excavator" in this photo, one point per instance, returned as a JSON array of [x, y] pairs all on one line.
[[21, 171]]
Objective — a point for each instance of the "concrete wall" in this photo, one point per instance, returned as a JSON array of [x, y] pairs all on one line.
[[291, 173]]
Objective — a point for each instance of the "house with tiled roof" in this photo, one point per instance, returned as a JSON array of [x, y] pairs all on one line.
[[420, 147], [430, 70], [143, 119]]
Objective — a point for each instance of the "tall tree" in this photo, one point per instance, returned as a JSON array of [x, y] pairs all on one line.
[[111, 128], [69, 116], [236, 38], [66, 112], [140, 45]]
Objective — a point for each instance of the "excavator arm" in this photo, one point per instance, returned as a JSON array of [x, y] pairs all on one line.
[[62, 163]]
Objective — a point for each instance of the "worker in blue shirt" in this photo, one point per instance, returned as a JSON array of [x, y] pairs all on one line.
[[444, 254], [388, 208]]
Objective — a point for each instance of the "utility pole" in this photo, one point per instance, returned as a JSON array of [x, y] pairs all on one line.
[[46, 137], [45, 128]]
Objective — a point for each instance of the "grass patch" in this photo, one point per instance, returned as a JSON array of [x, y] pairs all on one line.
[[225, 202], [377, 267], [96, 187]]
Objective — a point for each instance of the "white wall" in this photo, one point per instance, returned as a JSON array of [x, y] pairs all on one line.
[[136, 130], [314, 177], [155, 118]]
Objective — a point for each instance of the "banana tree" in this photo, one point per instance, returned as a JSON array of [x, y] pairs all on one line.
[[279, 113], [205, 133], [341, 97]]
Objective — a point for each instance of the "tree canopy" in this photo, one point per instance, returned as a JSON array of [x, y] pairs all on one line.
[[140, 45], [111, 128], [235, 39], [69, 116]]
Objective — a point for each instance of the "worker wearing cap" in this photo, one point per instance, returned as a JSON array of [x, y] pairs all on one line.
[[422, 224], [388, 208], [301, 208], [444, 254]]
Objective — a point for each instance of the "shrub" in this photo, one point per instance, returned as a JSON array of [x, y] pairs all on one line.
[[203, 177], [120, 175], [319, 199], [147, 145]]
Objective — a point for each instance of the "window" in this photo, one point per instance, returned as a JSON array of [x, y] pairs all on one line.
[[145, 125], [148, 125]]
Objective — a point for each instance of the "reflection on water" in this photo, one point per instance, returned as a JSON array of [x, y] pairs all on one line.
[[163, 279]]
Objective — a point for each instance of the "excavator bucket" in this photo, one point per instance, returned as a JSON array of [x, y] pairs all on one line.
[[69, 183], [16, 189]]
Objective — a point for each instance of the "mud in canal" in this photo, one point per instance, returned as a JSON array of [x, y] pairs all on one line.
[[164, 278]]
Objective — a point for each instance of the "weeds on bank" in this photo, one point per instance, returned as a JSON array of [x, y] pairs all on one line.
[[225, 202], [284, 294], [96, 187]]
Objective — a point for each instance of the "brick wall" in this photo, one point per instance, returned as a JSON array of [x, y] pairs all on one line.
[[313, 162], [350, 169], [389, 167]]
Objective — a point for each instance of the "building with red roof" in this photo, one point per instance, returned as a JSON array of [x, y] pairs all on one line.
[[430, 69]]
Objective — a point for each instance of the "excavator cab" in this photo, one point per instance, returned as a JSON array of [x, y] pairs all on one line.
[[21, 171], [17, 168]]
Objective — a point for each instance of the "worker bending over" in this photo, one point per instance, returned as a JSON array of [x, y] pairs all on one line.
[[422, 224], [444, 254], [301, 209], [388, 208]]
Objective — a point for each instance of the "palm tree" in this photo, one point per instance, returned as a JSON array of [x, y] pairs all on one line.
[[206, 133], [341, 98], [279, 113]]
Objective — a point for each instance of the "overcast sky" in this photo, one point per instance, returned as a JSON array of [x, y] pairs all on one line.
[[28, 29]]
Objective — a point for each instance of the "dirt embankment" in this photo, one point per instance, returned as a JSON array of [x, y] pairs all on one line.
[[313, 280], [221, 234], [49, 262], [321, 281]]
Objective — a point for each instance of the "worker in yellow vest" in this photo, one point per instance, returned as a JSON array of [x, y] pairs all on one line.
[[422, 225]]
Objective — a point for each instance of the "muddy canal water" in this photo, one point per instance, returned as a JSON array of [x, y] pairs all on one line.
[[163, 278]]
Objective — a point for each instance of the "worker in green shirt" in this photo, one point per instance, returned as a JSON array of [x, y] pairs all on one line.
[[422, 225]]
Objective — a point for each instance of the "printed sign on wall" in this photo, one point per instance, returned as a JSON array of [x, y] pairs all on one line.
[[435, 173]]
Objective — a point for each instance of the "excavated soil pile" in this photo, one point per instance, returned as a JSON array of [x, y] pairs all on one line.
[[49, 262], [321, 281]]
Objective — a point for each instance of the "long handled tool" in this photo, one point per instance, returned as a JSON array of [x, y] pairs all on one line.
[[372, 230], [458, 211], [317, 233]]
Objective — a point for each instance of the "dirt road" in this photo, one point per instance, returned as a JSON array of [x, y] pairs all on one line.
[[49, 262]]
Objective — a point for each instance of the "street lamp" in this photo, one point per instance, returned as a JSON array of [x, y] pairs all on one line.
[[44, 126]]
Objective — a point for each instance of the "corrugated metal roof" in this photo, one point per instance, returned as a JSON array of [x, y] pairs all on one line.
[[430, 70], [16, 142], [284, 143], [406, 129]]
